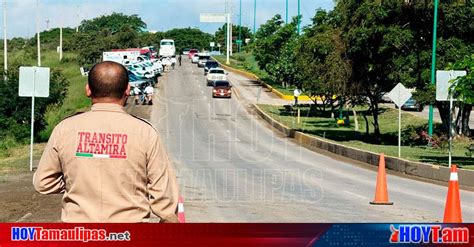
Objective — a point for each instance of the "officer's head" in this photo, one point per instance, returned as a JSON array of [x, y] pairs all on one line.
[[108, 82]]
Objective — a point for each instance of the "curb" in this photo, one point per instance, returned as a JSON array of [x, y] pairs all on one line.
[[418, 169], [270, 88]]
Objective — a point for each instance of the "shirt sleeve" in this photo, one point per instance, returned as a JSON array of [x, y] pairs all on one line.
[[48, 178], [162, 185]]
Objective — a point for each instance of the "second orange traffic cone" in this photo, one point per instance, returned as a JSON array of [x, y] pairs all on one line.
[[381, 193], [452, 210]]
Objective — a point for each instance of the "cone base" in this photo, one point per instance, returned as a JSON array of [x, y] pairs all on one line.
[[381, 203]]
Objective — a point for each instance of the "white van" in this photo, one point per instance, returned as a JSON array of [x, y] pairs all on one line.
[[167, 48]]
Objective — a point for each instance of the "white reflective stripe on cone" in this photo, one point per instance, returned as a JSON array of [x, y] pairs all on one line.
[[453, 176]]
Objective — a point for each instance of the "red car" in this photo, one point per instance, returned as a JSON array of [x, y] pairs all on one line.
[[192, 52], [222, 89]]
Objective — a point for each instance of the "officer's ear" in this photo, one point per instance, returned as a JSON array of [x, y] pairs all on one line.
[[127, 91], [88, 90]]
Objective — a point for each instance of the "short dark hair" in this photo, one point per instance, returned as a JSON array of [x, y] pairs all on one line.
[[108, 80]]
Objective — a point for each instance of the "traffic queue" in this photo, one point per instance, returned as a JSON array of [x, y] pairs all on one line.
[[216, 77], [144, 66]]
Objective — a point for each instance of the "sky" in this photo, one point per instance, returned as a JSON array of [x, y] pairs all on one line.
[[159, 15]]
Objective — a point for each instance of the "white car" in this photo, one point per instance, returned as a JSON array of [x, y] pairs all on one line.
[[195, 58], [216, 74]]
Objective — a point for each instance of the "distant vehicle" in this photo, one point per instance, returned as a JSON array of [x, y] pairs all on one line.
[[140, 72], [210, 64], [192, 52], [120, 56], [203, 58], [195, 58], [216, 74], [222, 89], [142, 51], [136, 80], [412, 104], [186, 51], [167, 48]]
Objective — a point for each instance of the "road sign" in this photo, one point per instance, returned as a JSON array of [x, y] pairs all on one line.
[[399, 94], [444, 79], [239, 41], [34, 82], [212, 44], [212, 17]]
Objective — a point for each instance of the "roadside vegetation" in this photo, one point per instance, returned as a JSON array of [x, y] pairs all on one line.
[[321, 124], [358, 52], [67, 95]]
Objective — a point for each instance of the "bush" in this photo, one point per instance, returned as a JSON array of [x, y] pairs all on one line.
[[16, 111], [239, 57]]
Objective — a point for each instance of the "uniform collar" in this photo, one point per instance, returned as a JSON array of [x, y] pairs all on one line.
[[107, 107]]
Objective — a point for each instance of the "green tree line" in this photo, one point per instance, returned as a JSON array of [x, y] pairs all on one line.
[[360, 50]]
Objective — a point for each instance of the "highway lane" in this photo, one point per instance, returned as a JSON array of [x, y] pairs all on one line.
[[232, 168]]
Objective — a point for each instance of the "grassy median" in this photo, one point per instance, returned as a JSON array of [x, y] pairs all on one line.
[[322, 125]]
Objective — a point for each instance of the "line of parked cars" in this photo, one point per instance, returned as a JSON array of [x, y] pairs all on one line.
[[216, 77]]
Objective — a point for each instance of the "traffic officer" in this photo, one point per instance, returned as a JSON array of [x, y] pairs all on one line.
[[111, 166]]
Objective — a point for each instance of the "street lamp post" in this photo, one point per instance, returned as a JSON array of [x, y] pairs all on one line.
[[38, 40], [240, 26], [5, 46], [299, 18], [286, 16], [433, 64], [254, 16]]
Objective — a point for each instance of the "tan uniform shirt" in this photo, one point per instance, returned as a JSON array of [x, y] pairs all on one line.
[[111, 166]]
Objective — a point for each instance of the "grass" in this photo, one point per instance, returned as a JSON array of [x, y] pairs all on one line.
[[246, 61], [323, 125]]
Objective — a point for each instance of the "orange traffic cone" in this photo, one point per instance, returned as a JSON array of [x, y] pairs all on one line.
[[381, 194], [452, 210]]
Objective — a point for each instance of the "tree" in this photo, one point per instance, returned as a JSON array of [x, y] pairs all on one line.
[[322, 64], [221, 34], [126, 37], [189, 38], [265, 48], [375, 41], [463, 89], [113, 23]]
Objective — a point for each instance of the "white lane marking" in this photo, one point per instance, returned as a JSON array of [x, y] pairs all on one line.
[[356, 195], [24, 217]]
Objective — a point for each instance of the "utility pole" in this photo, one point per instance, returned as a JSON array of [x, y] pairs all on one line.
[[5, 47], [38, 40], [227, 38], [47, 24], [240, 27], [286, 16], [433, 65], [254, 17], [299, 18], [61, 39], [77, 27]]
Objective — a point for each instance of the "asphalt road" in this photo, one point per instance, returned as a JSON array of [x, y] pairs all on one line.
[[232, 168]]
